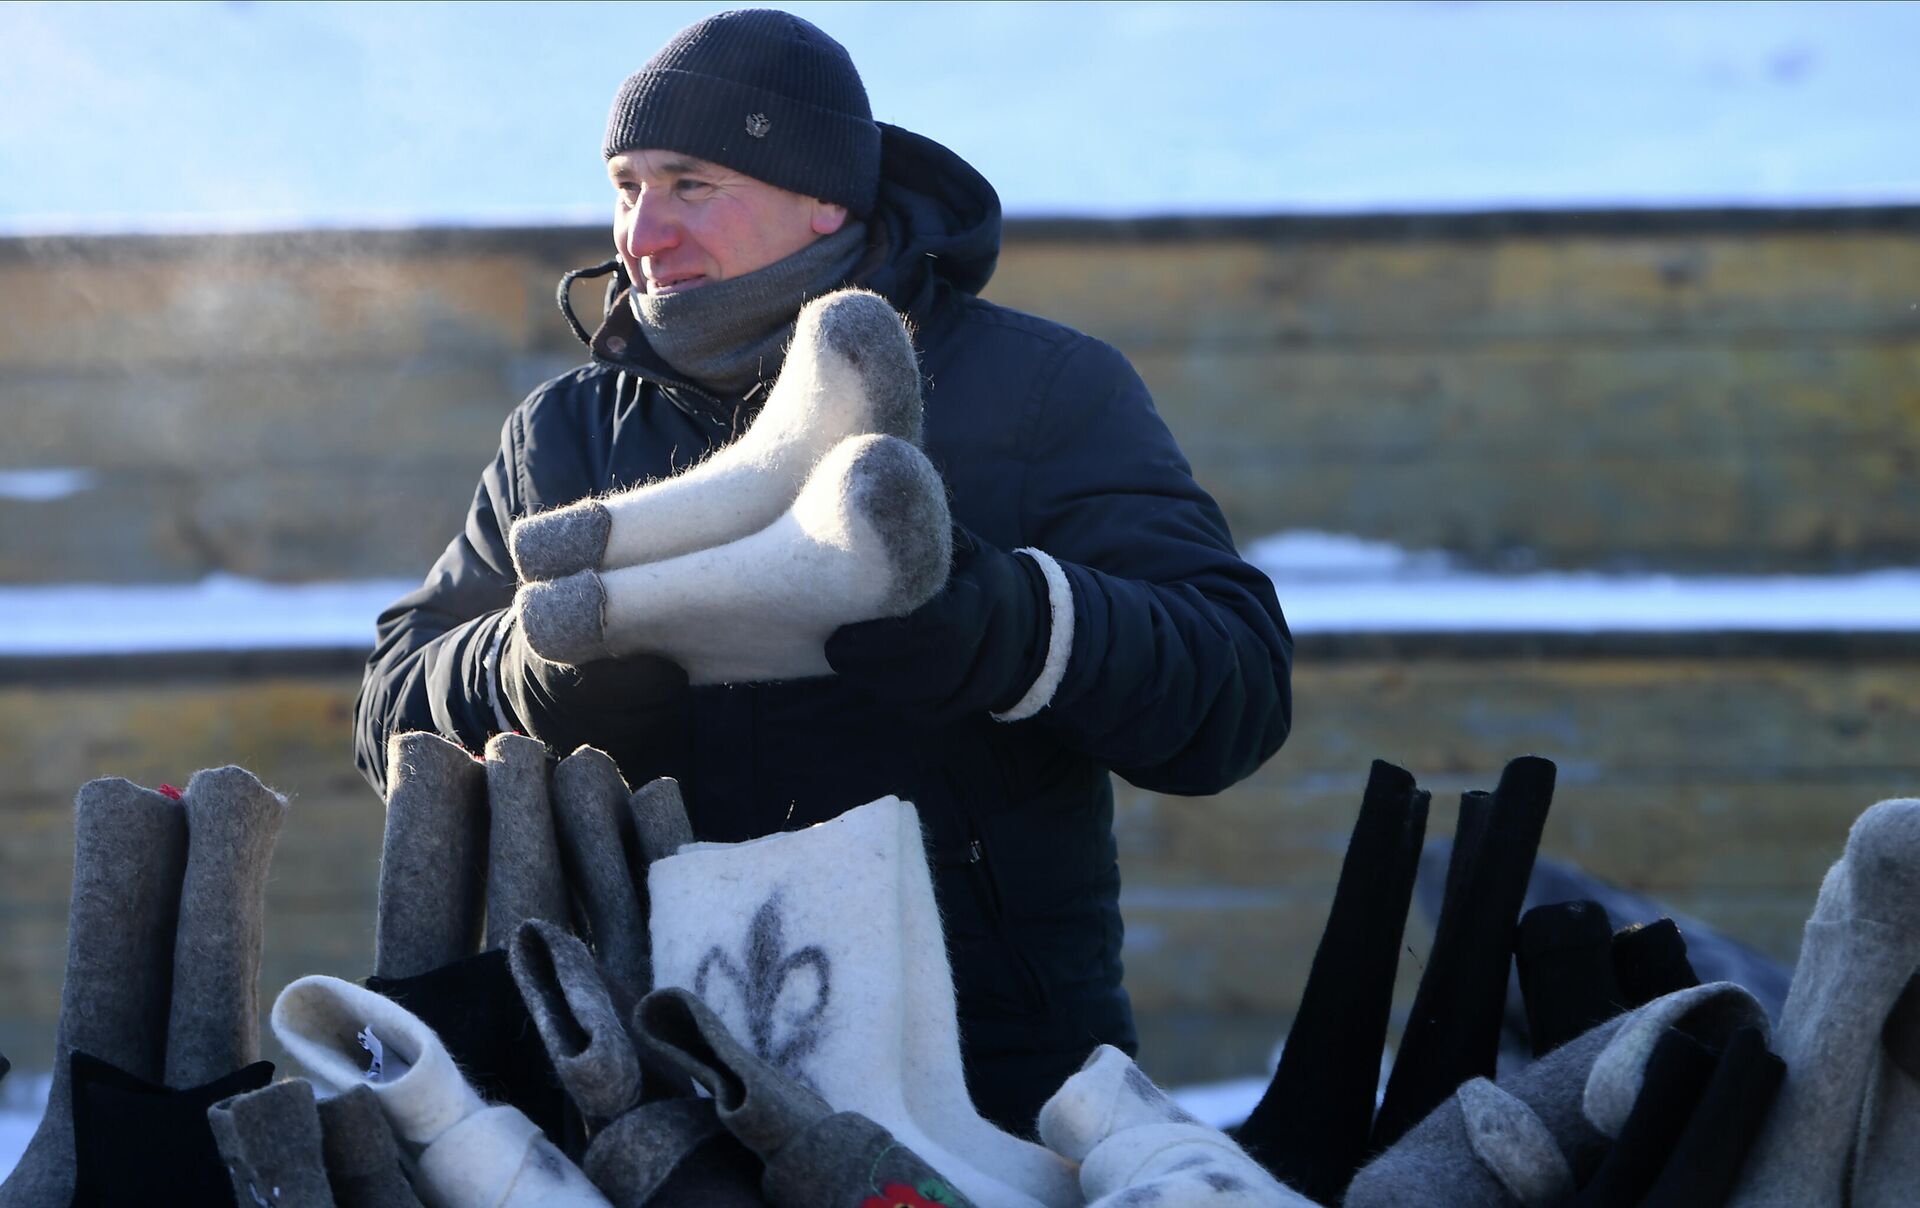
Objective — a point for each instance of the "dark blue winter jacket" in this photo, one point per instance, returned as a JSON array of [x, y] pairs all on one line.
[[1177, 678]]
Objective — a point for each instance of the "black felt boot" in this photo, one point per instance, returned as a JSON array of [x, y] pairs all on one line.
[[1453, 1032], [1713, 1147], [1311, 1128], [1565, 956], [477, 1011], [1650, 961], [132, 1137], [1677, 1074]]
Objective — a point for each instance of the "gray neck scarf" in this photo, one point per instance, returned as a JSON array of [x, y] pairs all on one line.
[[728, 335]]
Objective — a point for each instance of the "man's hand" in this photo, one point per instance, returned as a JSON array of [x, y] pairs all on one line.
[[635, 709], [976, 647]]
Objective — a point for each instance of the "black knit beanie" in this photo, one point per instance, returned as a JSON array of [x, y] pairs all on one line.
[[762, 92]]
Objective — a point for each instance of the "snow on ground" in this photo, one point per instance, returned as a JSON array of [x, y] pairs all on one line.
[[221, 612], [45, 484], [1327, 583]]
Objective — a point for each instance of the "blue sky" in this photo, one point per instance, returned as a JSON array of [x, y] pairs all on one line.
[[217, 116]]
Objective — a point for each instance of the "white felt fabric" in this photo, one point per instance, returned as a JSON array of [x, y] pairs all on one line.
[[1862, 944], [798, 943], [761, 608], [820, 398], [464, 1153], [1059, 639], [1136, 1145]]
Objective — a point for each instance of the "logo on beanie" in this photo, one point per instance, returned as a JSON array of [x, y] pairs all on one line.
[[758, 124]]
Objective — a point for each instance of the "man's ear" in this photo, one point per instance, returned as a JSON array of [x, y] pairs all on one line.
[[828, 217]]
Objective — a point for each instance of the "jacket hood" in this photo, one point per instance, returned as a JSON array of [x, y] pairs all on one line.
[[937, 220]]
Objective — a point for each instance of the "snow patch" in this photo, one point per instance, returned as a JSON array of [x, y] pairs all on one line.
[[221, 612], [1333, 583], [45, 485]]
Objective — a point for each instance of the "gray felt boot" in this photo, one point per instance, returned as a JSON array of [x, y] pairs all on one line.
[[850, 370], [130, 852], [270, 1140], [670, 1153], [433, 863], [593, 815], [1528, 1141], [214, 1026], [582, 1029], [524, 879], [1861, 947], [813, 1155], [362, 1158], [869, 536]]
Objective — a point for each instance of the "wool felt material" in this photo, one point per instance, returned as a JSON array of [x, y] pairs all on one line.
[[1712, 1149], [1650, 961], [996, 639], [524, 878], [813, 1154], [463, 1151], [577, 1020], [600, 850], [362, 1158], [1565, 956], [130, 852], [1886, 1162], [674, 1152], [270, 1141], [132, 1135], [1310, 1128], [850, 371], [1676, 1076], [731, 334], [635, 709], [1453, 1031], [824, 982], [1128, 1136], [660, 821], [1860, 948], [868, 536], [213, 1027], [433, 860], [1503, 1144], [476, 1011]]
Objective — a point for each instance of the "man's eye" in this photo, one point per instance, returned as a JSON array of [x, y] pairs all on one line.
[[693, 188]]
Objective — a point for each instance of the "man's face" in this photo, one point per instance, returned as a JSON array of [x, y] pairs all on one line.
[[681, 222]]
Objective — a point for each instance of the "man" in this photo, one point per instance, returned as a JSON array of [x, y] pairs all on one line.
[[749, 177]]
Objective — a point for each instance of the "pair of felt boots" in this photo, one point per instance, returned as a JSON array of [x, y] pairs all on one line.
[[1317, 1125], [823, 513], [159, 1009]]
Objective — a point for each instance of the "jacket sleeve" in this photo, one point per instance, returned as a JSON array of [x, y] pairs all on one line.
[[430, 664], [1178, 672]]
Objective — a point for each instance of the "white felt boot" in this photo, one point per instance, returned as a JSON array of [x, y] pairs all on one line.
[[850, 370], [868, 537], [1861, 947], [1129, 1137], [797, 942], [463, 1152]]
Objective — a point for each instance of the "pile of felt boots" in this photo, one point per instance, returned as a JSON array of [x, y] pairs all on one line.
[[573, 1003], [823, 513], [1646, 1088], [159, 1011]]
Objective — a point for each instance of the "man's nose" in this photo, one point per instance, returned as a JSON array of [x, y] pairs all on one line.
[[649, 230]]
